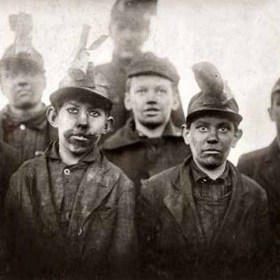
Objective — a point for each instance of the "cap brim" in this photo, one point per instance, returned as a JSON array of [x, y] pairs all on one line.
[[81, 94], [222, 112]]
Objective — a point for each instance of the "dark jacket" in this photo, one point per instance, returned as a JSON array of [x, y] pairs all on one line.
[[101, 240], [30, 136], [264, 167], [9, 163], [115, 73], [172, 242], [142, 157]]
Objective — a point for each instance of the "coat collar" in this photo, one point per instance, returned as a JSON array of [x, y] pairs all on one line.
[[181, 204], [128, 135]]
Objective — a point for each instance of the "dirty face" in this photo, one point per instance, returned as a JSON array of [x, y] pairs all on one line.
[[80, 126], [210, 139]]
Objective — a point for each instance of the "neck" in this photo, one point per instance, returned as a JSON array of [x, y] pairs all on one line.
[[23, 113], [213, 174], [67, 157], [148, 132]]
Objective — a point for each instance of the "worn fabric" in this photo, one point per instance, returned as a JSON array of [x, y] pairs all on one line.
[[263, 166], [30, 136], [115, 73], [141, 157], [172, 242], [9, 163], [100, 241], [211, 199]]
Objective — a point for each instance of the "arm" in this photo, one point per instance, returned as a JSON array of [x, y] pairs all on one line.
[[124, 245]]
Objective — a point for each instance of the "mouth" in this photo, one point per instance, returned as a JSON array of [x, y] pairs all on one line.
[[80, 137], [151, 111], [212, 152]]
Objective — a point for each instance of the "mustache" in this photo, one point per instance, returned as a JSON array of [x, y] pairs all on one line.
[[79, 132]]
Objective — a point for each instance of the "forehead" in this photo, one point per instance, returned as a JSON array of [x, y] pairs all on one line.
[[212, 120], [81, 103], [150, 80]]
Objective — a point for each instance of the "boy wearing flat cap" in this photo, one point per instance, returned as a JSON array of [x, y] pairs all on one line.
[[129, 29], [23, 123], [70, 212], [203, 219], [149, 142]]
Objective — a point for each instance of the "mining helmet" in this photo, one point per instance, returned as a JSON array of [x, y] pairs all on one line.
[[215, 96], [22, 49], [93, 88]]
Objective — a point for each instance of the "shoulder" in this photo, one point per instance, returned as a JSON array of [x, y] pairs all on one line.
[[119, 139], [161, 183], [255, 155], [253, 188], [117, 175]]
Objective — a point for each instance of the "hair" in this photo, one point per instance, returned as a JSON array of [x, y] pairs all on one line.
[[129, 81]]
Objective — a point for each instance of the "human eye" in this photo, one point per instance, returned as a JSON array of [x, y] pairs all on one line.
[[72, 110], [161, 91], [94, 113], [141, 91], [202, 128], [224, 128]]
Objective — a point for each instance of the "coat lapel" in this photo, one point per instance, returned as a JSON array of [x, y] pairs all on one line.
[[181, 204], [46, 205], [95, 187]]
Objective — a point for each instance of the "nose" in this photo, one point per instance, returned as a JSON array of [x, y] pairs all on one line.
[[213, 136], [151, 97], [82, 120]]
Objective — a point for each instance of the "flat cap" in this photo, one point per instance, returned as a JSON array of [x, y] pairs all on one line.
[[92, 88], [215, 96], [148, 64]]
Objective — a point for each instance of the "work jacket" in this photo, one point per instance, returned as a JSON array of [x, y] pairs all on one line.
[[141, 157], [100, 241], [173, 245]]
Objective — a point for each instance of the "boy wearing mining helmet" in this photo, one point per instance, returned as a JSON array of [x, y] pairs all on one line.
[[70, 212], [203, 219]]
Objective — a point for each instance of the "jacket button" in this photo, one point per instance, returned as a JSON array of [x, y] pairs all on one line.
[[66, 171], [22, 127], [80, 232]]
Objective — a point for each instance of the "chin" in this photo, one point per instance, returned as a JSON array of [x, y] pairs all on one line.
[[211, 164]]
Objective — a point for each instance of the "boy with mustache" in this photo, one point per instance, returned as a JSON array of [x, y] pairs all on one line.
[[70, 212], [203, 219]]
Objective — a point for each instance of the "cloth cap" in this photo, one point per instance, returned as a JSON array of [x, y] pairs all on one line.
[[215, 96], [148, 63], [93, 88]]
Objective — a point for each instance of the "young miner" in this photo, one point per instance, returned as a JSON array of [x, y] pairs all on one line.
[[23, 122], [149, 142], [129, 29], [70, 212], [205, 220]]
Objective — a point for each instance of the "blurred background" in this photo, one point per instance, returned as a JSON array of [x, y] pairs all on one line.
[[242, 38]]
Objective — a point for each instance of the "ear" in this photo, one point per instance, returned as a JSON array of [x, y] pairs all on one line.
[[176, 100], [128, 101], [108, 125], [270, 113], [237, 135], [186, 134], [52, 116]]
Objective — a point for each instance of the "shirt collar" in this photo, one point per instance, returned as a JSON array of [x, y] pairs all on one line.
[[53, 153], [199, 175]]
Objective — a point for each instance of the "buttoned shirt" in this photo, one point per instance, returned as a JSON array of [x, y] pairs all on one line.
[[65, 181], [211, 198], [30, 136]]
